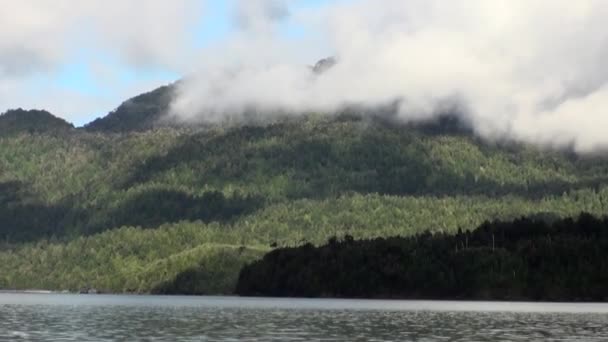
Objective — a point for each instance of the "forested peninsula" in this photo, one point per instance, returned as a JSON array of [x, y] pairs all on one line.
[[525, 259], [134, 202]]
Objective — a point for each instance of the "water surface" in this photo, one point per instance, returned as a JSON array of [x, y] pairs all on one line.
[[58, 317]]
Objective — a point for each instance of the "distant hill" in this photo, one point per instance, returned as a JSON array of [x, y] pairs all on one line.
[[31, 121], [136, 114]]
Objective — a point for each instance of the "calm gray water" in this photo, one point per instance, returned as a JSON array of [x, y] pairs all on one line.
[[55, 317]]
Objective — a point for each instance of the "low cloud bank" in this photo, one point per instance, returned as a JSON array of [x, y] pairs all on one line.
[[531, 71]]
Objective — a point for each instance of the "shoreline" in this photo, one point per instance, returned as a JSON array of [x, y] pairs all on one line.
[[262, 303], [317, 299]]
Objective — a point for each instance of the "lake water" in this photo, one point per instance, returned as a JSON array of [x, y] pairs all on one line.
[[58, 317]]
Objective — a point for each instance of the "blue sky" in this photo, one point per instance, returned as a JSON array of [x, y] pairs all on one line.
[[77, 75], [90, 81]]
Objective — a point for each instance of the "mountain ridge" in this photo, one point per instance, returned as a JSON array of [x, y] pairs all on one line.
[[138, 113]]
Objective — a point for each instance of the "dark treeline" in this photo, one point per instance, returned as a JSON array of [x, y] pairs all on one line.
[[526, 259]]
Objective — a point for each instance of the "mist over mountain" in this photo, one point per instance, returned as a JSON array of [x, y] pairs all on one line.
[[519, 72], [153, 110], [526, 73]]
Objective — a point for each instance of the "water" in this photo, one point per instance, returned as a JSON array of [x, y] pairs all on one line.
[[55, 317]]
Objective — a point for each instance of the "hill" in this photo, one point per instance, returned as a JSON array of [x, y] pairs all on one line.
[[120, 207], [31, 121], [140, 113]]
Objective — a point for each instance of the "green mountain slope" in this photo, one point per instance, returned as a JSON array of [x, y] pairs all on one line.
[[120, 208]]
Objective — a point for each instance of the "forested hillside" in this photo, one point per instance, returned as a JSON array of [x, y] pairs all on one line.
[[120, 206]]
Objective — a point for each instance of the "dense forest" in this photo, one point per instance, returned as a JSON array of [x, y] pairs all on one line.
[[525, 259], [135, 203]]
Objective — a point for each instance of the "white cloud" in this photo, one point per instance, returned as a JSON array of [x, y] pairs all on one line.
[[531, 70], [40, 37], [40, 33], [260, 15]]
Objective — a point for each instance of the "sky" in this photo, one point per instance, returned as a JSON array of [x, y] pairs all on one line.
[[532, 71], [80, 61]]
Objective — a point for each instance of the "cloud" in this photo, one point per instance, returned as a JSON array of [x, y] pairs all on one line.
[[25, 39], [529, 70], [260, 15], [38, 34], [39, 38]]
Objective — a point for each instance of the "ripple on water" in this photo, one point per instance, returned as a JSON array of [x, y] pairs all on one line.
[[139, 319]]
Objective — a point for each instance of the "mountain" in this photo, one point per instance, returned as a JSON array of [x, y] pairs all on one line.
[[140, 113], [31, 121], [324, 64], [102, 207], [148, 110]]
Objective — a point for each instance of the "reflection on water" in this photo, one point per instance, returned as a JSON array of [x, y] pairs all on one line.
[[28, 317]]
